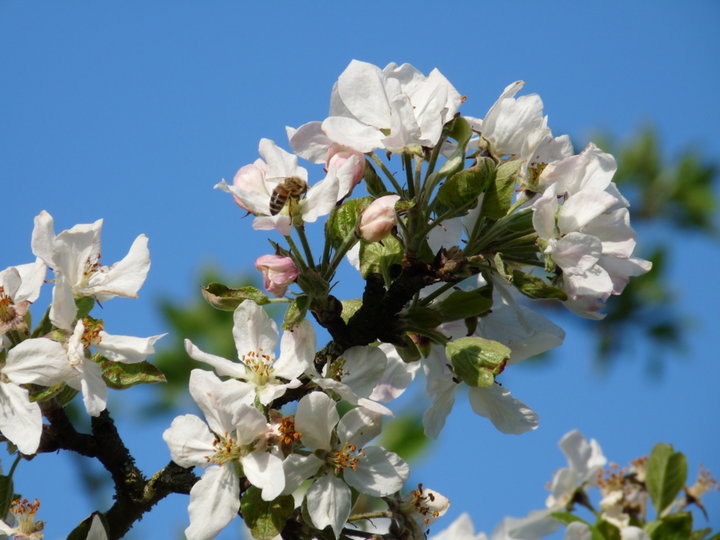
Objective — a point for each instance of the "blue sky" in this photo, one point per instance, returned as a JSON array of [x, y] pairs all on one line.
[[132, 111]]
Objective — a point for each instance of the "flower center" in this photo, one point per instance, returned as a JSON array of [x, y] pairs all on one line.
[[25, 513], [7, 308], [288, 435], [226, 449], [348, 456], [260, 366], [91, 335]]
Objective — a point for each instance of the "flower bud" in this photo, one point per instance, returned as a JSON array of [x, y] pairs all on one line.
[[338, 155], [378, 219], [278, 273]]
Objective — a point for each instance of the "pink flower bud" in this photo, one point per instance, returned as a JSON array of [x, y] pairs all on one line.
[[338, 155], [278, 273], [378, 219]]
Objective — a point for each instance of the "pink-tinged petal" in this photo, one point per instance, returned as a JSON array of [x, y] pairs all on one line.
[[321, 198], [299, 468], [362, 90], [297, 351], [397, 376], [593, 282], [379, 473], [92, 385], [359, 427], [599, 169], [20, 419], [32, 277], [255, 202], [583, 207], [280, 164], [577, 252], [621, 270], [353, 134], [190, 441], [125, 277], [328, 503], [507, 414], [280, 223], [254, 331], [126, 349], [214, 502], [37, 361], [309, 141], [63, 309], [43, 238], [315, 418], [615, 232], [264, 471], [208, 392], [221, 365]]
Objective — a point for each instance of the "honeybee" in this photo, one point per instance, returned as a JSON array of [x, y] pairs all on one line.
[[290, 188]]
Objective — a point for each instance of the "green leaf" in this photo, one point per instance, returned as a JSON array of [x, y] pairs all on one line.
[[84, 306], [462, 189], [296, 312], [344, 220], [534, 287], [378, 257], [222, 297], [61, 392], [701, 534], [120, 376], [666, 475], [423, 317], [604, 530], [476, 360], [466, 304], [373, 182], [266, 519], [499, 194], [7, 494], [349, 307], [567, 518], [676, 526]]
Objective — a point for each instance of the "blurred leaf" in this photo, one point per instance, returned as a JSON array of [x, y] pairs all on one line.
[[666, 475], [221, 296], [119, 375], [676, 526], [405, 436], [266, 519]]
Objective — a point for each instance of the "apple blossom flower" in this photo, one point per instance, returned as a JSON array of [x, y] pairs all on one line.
[[225, 442], [460, 529], [254, 184], [278, 273], [26, 527], [255, 338], [378, 219], [80, 371], [424, 506], [339, 459], [29, 362], [74, 256], [585, 459], [396, 109], [19, 287], [585, 226]]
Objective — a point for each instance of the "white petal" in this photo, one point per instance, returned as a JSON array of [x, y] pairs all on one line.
[[32, 276], [63, 309], [359, 427], [363, 368], [315, 419], [397, 377], [127, 349], [633, 533], [125, 277], [583, 456], [321, 197], [222, 366], [582, 208], [435, 416], [460, 529], [253, 330], [362, 90], [352, 133], [299, 468], [577, 530], [20, 419], [207, 391], [577, 252], [214, 502], [309, 141], [280, 163], [379, 473], [190, 441], [328, 503], [507, 414], [264, 471], [43, 238], [94, 390], [297, 351], [37, 361]]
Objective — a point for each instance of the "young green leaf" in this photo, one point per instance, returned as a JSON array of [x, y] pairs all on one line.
[[476, 360], [499, 194], [120, 376], [666, 475], [222, 297], [266, 519]]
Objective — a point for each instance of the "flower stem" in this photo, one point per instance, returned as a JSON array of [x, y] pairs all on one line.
[[407, 165], [306, 245], [388, 174], [348, 242], [296, 253]]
